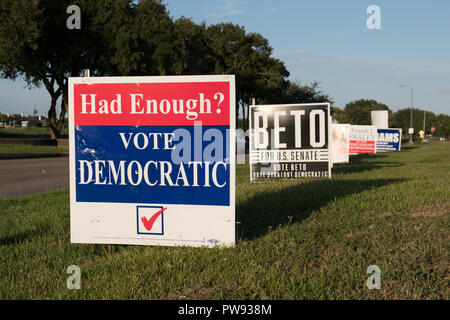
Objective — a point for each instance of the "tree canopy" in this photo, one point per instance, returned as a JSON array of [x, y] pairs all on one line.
[[358, 113], [294, 92], [36, 45], [402, 119], [126, 37]]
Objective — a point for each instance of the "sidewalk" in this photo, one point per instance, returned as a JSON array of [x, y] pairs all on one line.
[[32, 155]]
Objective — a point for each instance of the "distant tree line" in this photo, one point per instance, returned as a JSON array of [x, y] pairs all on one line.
[[358, 113], [136, 38]]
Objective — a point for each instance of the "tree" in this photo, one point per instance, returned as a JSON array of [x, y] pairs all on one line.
[[141, 40], [116, 37], [402, 119], [338, 114], [129, 38], [358, 112], [442, 124], [37, 46], [192, 53], [3, 118], [294, 92], [248, 56]]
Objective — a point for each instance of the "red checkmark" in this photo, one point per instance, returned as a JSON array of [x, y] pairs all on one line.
[[148, 224]]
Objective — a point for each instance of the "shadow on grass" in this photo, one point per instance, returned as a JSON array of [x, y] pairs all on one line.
[[360, 166], [364, 162], [295, 203], [22, 236], [408, 147]]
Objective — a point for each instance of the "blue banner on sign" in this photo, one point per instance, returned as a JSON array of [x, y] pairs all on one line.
[[153, 164], [389, 140]]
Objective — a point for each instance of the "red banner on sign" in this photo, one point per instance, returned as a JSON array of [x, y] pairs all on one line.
[[152, 104], [360, 146]]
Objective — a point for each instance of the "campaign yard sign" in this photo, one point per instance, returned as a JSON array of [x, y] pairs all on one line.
[[290, 141], [389, 140], [380, 118], [340, 143], [152, 160], [363, 139]]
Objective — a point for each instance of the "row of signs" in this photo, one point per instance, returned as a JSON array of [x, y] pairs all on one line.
[[295, 141], [356, 139], [152, 159]]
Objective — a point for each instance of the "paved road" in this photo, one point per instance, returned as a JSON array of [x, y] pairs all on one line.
[[21, 177]]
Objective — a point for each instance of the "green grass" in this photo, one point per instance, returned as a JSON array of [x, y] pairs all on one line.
[[28, 149], [25, 131], [298, 240], [42, 132]]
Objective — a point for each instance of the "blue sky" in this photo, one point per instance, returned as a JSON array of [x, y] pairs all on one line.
[[328, 41]]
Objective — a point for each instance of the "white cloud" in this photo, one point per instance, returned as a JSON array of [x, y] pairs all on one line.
[[228, 9]]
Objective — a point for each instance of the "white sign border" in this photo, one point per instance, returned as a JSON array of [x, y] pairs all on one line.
[[155, 79]]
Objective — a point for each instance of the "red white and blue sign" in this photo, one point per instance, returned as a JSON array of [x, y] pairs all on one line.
[[389, 140], [152, 160]]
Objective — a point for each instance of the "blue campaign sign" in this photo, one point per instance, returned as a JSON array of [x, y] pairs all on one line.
[[123, 164], [389, 140]]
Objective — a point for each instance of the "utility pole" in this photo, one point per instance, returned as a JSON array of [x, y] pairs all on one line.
[[424, 122], [410, 123]]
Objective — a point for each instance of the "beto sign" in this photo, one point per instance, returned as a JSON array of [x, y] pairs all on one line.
[[151, 160], [290, 141]]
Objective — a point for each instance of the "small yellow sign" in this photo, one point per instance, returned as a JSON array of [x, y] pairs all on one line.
[[421, 134]]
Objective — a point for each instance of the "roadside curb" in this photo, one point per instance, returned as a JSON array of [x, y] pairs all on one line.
[[32, 155], [32, 141]]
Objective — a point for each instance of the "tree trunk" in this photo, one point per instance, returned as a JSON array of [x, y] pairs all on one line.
[[245, 116], [237, 113], [54, 132], [57, 122]]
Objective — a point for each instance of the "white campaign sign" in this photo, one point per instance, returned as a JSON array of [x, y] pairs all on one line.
[[380, 119], [363, 139], [340, 143], [152, 160]]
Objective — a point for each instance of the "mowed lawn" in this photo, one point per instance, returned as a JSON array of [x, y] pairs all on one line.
[[33, 131], [15, 149], [300, 239]]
